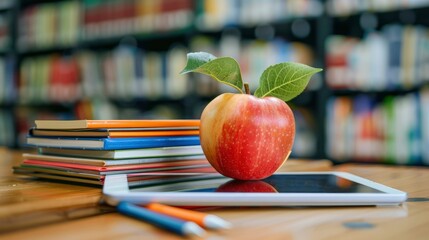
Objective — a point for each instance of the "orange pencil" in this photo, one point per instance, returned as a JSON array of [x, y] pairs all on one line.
[[202, 219]]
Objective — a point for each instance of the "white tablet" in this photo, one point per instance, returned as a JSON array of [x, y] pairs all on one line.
[[281, 189]]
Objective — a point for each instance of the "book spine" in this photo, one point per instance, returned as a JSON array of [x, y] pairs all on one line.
[[7, 128], [344, 8], [64, 84], [176, 85], [387, 60], [3, 80], [124, 69], [138, 73], [4, 31], [424, 120], [149, 142], [111, 18], [151, 160], [91, 80], [153, 81], [389, 130], [305, 139], [216, 14], [10, 81], [49, 24], [49, 79]]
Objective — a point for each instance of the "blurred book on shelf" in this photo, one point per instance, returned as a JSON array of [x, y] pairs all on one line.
[[216, 14], [67, 23], [305, 144], [108, 19], [391, 130], [395, 58], [125, 73], [253, 56], [5, 37], [131, 73], [49, 79], [7, 129], [6, 4], [64, 79], [424, 101], [128, 73], [348, 7], [49, 24], [7, 80]]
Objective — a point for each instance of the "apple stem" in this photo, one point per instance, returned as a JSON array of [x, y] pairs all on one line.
[[246, 88]]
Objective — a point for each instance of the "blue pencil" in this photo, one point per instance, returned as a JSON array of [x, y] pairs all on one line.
[[163, 221]]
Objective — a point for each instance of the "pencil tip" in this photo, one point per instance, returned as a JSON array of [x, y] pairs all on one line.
[[214, 222], [191, 228]]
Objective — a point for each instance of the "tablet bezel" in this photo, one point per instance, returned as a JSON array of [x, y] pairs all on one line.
[[116, 189]]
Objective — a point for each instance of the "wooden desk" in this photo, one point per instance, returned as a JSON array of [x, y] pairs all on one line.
[[77, 215]]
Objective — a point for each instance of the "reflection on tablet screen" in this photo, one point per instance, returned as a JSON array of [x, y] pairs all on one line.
[[290, 183]]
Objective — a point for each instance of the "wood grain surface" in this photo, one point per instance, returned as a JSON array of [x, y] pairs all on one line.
[[409, 221]]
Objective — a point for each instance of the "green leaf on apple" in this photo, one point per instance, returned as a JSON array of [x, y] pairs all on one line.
[[285, 80], [225, 69]]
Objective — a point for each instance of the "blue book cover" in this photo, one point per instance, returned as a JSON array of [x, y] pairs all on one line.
[[112, 143], [393, 33]]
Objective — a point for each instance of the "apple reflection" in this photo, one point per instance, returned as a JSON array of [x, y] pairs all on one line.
[[256, 186]]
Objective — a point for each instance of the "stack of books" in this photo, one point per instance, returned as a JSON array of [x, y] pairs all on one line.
[[85, 151]]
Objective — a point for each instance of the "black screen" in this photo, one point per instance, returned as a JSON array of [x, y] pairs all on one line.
[[288, 183]]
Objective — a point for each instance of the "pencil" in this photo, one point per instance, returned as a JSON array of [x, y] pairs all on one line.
[[202, 219], [163, 221]]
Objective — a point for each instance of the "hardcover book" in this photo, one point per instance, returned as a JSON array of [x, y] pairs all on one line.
[[125, 153], [136, 179], [112, 143], [116, 132], [103, 162], [103, 170], [80, 124]]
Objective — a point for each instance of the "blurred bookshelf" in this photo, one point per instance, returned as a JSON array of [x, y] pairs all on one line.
[[7, 72], [377, 81], [120, 59]]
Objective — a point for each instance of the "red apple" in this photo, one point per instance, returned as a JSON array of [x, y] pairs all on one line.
[[246, 186], [245, 137]]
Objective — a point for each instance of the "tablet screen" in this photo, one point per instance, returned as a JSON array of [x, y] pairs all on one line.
[[287, 183]]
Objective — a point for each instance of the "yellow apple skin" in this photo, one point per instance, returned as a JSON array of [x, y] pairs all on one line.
[[245, 137]]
